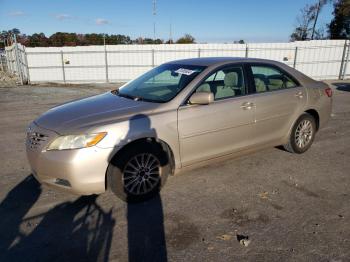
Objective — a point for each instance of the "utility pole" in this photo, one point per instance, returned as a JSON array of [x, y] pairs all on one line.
[[154, 18], [171, 34], [106, 57]]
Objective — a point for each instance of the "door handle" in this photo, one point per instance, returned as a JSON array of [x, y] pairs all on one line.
[[299, 94], [247, 105]]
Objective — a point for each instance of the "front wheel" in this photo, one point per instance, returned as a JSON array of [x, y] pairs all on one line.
[[139, 172], [302, 135]]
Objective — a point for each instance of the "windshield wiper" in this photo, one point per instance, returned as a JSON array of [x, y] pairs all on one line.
[[127, 96], [135, 98], [116, 92]]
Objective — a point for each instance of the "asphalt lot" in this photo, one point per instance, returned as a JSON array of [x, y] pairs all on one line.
[[292, 207]]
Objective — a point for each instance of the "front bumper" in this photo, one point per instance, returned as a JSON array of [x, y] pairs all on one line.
[[80, 171]]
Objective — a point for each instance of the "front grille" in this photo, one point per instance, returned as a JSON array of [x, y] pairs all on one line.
[[34, 139]]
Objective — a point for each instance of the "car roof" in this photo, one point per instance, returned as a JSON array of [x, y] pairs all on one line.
[[219, 61], [210, 61]]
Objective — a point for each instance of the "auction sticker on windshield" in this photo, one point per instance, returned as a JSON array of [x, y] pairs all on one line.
[[184, 71]]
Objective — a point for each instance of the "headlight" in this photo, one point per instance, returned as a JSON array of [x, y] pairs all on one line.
[[76, 141]]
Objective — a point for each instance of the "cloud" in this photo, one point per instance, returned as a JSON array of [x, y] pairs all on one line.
[[62, 17], [101, 21], [17, 13]]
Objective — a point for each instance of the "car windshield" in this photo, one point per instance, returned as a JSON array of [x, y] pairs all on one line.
[[160, 84]]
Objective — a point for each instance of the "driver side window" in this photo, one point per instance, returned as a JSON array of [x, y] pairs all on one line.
[[224, 83]]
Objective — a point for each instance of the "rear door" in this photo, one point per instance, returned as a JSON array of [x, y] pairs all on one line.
[[278, 100], [224, 126]]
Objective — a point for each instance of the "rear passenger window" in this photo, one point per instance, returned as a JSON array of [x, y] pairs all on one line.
[[268, 78]]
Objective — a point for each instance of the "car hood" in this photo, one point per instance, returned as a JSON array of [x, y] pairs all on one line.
[[80, 115]]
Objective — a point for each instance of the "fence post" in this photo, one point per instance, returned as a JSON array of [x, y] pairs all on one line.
[[13, 60], [152, 57], [63, 72], [346, 62], [7, 53], [106, 64], [7, 60], [342, 61], [199, 52], [295, 57], [19, 69], [27, 66], [2, 67], [246, 51]]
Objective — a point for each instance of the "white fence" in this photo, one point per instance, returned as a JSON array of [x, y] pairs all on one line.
[[321, 59]]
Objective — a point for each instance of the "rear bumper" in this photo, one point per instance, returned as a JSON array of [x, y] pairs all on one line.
[[325, 110], [79, 171]]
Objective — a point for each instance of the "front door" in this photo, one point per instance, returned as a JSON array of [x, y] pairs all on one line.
[[223, 126]]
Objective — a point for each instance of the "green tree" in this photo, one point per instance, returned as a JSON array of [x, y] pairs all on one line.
[[6, 36], [148, 41], [158, 41], [72, 39], [339, 28], [15, 31], [38, 40], [64, 39], [118, 40], [94, 39], [186, 39], [3, 37]]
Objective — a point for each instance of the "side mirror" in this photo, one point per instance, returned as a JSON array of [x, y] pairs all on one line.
[[201, 98]]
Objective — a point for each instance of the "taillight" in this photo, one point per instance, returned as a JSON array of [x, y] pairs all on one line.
[[328, 91]]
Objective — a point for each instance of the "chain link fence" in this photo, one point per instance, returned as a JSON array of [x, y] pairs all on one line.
[[15, 62], [322, 59], [3, 62]]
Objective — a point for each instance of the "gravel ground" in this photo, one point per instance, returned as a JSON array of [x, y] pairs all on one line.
[[7, 79], [268, 206]]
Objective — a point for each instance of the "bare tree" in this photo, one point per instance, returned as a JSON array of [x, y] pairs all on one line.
[[307, 21], [320, 4]]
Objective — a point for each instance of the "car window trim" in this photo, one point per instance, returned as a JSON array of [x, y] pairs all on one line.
[[216, 69], [251, 64]]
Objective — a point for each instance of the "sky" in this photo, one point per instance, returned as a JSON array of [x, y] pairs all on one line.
[[212, 21]]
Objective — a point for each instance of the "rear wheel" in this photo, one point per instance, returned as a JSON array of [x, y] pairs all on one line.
[[302, 135], [139, 172]]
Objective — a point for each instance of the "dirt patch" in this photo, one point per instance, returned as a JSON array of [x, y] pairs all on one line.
[[182, 232], [244, 217], [301, 189]]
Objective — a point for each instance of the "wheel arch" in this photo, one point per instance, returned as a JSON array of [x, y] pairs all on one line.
[[310, 111], [141, 141], [315, 115]]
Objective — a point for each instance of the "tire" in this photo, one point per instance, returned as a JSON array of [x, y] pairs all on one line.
[[138, 172], [302, 134]]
